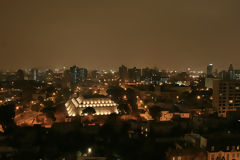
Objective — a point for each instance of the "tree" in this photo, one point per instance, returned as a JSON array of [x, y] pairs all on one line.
[[7, 114], [35, 107], [41, 99], [112, 118], [66, 93], [123, 108], [48, 103], [131, 98], [89, 110], [116, 92], [155, 112], [49, 111], [59, 99]]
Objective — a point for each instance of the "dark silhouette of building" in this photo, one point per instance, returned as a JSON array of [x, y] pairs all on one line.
[[94, 74], [134, 74], [34, 74], [74, 72], [210, 70], [20, 75], [123, 72], [83, 73], [231, 72]]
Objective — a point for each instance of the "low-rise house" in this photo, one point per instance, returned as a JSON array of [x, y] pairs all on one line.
[[224, 147], [167, 116], [224, 152]]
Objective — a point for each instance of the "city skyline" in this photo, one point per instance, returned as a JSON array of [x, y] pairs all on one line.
[[119, 80], [188, 69], [168, 35]]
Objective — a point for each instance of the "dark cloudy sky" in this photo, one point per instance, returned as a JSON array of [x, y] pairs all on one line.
[[171, 34]]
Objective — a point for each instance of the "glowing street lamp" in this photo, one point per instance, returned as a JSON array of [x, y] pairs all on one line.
[[89, 150]]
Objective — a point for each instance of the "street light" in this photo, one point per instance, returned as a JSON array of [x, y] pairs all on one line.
[[89, 150]]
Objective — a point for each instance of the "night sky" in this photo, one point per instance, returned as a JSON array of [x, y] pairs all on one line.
[[169, 34]]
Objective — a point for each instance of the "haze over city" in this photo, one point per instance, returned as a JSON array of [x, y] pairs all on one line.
[[105, 34], [119, 80]]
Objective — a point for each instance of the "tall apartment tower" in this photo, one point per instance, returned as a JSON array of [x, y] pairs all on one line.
[[231, 73], [123, 72], [210, 70], [226, 96]]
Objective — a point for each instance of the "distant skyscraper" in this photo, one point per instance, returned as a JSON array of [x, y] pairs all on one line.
[[74, 71], [231, 72], [123, 72], [49, 75], [20, 75], [150, 74], [95, 74], [34, 74], [83, 73], [134, 74], [146, 74], [210, 70]]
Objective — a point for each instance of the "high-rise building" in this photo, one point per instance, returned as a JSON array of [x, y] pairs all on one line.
[[231, 72], [34, 74], [226, 96], [134, 74], [209, 82], [94, 74], [49, 75], [237, 74], [222, 75], [20, 75], [210, 70], [74, 72], [152, 75], [83, 73], [123, 72]]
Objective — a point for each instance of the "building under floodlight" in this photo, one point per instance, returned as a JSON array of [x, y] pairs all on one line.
[[102, 106]]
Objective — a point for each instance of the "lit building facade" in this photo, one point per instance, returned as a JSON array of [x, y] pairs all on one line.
[[226, 96], [225, 153], [168, 116], [102, 106]]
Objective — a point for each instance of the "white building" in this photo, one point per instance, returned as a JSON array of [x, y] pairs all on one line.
[[102, 106]]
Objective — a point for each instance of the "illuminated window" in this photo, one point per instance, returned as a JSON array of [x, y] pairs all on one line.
[[212, 148], [227, 148]]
